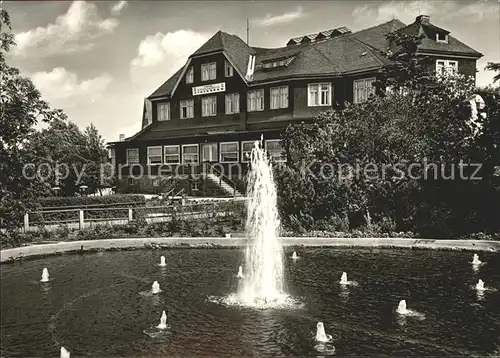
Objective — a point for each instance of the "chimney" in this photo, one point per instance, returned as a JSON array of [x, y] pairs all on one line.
[[122, 137], [423, 19]]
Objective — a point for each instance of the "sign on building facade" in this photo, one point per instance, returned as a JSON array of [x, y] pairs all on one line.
[[206, 89]]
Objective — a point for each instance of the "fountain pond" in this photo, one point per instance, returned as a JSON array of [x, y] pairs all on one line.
[[94, 306]]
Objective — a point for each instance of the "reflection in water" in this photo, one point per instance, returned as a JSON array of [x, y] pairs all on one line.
[[344, 293]]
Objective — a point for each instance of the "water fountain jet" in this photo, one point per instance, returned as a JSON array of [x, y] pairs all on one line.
[[321, 335], [162, 261], [402, 307], [163, 321], [64, 353], [295, 256], [155, 288], [343, 279], [475, 260], [480, 285], [264, 255], [45, 275]]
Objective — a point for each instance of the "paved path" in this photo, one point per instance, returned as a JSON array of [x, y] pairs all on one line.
[[210, 242]]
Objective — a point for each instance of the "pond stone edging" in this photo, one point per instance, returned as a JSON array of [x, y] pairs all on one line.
[[33, 251]]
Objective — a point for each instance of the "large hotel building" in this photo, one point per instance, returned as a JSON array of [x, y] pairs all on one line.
[[205, 118]]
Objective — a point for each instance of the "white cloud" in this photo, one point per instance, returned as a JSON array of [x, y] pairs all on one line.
[[159, 56], [118, 7], [73, 31], [63, 88], [406, 11], [287, 17]]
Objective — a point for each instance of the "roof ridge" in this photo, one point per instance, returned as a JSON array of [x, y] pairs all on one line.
[[374, 26], [223, 43]]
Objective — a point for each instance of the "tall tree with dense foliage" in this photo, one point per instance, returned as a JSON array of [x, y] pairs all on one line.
[[21, 109], [350, 166], [494, 66]]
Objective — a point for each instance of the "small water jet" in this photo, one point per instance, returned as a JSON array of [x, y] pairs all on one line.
[[343, 279], [45, 275], [402, 309], [162, 261], [240, 272], [295, 256], [155, 288], [475, 260], [480, 285], [321, 335], [64, 353], [163, 321]]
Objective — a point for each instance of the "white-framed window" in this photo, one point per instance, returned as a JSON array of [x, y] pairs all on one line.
[[228, 69], [232, 103], [319, 94], [246, 150], [190, 153], [363, 89], [132, 156], [209, 106], [163, 110], [155, 182], [190, 75], [444, 67], [195, 186], [279, 97], [209, 71], [172, 154], [187, 108], [154, 155], [274, 150], [229, 152], [440, 37], [131, 181], [255, 100]]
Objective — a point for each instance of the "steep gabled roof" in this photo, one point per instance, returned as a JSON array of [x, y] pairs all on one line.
[[430, 44], [376, 36], [166, 88], [334, 56]]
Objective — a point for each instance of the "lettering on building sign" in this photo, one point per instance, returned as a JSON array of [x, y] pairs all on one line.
[[213, 88]]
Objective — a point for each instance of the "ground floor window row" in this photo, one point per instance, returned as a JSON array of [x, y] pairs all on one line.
[[222, 152]]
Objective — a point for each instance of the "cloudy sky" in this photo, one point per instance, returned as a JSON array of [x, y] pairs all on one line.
[[98, 60]]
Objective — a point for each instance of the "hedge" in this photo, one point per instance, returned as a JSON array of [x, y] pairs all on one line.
[[84, 201]]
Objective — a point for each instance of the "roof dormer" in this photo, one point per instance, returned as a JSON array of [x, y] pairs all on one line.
[[323, 35], [433, 32]]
